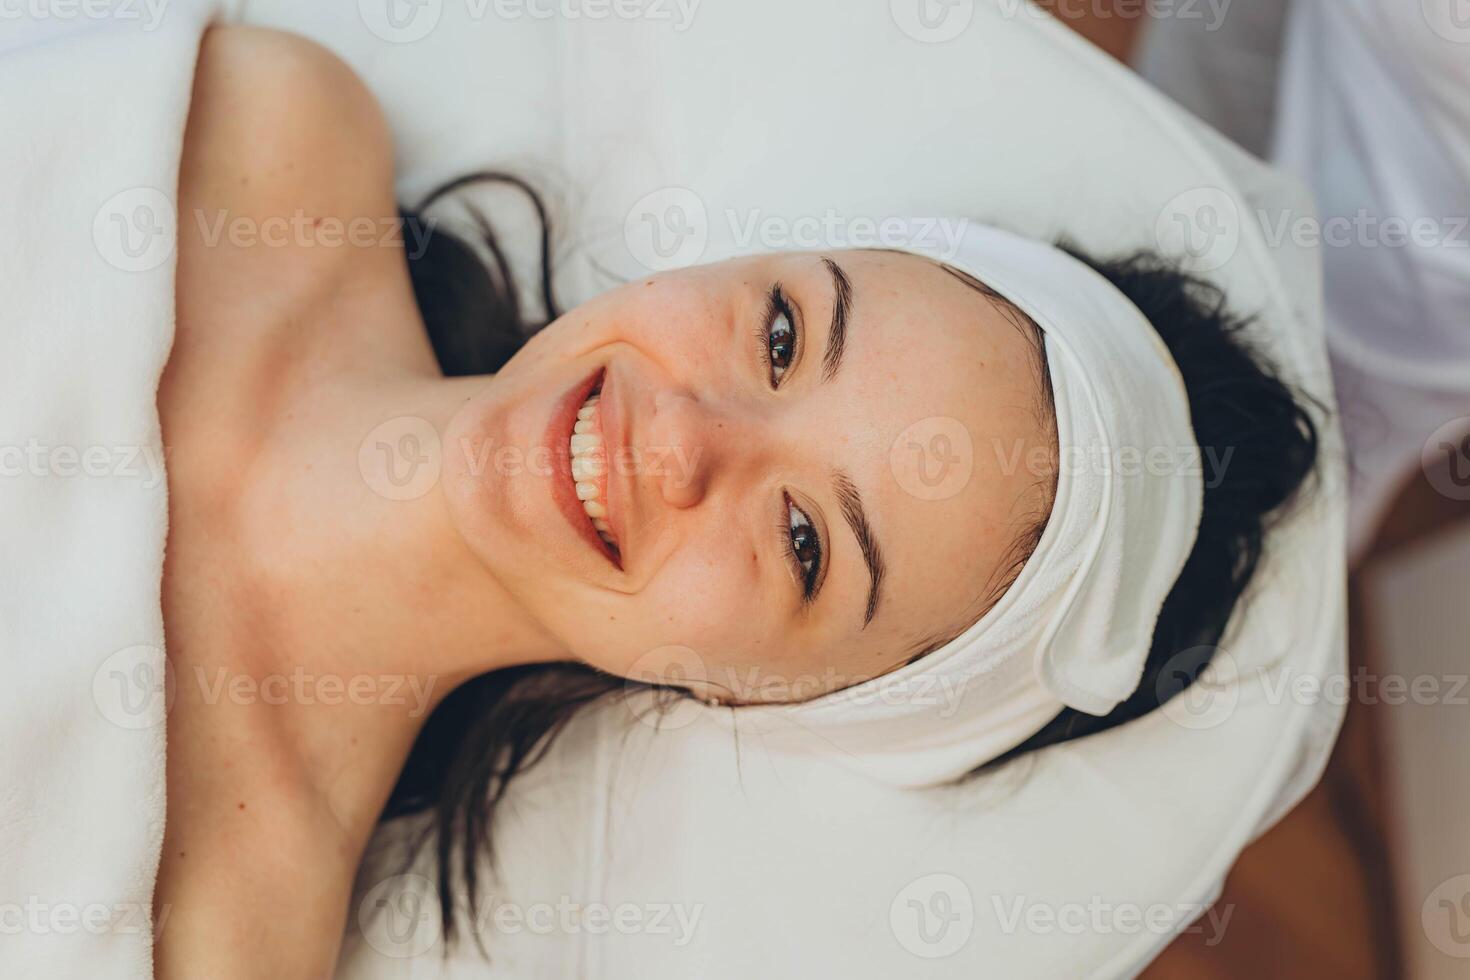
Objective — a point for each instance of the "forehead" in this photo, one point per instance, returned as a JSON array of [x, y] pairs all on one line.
[[939, 413]]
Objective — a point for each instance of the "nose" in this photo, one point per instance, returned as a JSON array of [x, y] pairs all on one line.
[[691, 443]]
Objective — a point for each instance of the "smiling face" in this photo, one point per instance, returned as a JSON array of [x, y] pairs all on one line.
[[784, 475]]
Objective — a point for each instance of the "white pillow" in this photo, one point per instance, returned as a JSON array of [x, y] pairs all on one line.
[[1061, 865]]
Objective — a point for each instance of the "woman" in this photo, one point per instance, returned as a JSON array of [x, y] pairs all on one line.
[[726, 482]]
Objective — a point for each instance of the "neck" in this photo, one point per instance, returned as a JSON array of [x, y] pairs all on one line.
[[369, 608]]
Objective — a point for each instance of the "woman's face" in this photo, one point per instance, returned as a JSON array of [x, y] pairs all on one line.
[[809, 466]]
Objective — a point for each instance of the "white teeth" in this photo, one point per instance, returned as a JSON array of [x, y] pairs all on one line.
[[586, 468], [588, 461]]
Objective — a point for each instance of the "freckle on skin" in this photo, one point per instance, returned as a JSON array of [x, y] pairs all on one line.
[[240, 806]]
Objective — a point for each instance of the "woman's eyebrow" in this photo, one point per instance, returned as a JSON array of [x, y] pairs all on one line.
[[841, 311], [851, 503]]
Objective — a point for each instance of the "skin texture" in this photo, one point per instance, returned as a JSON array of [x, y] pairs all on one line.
[[291, 575]]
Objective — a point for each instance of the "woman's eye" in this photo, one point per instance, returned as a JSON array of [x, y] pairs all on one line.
[[779, 335], [803, 546]]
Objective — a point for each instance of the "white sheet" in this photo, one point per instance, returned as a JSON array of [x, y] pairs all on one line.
[[92, 108]]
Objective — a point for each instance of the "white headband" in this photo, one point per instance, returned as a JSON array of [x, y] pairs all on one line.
[[1075, 627]]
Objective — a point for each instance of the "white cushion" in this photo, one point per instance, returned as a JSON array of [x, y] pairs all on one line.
[[1061, 865]]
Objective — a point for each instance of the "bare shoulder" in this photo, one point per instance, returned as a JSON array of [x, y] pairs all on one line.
[[280, 127]]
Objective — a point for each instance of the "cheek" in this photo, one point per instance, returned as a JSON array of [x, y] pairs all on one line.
[[676, 323], [708, 605]]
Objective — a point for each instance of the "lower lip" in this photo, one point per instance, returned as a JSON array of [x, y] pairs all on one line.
[[563, 489]]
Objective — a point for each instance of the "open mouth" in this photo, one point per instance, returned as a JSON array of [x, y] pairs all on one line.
[[583, 478]]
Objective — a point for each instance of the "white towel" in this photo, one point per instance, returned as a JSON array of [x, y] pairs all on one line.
[[93, 101]]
